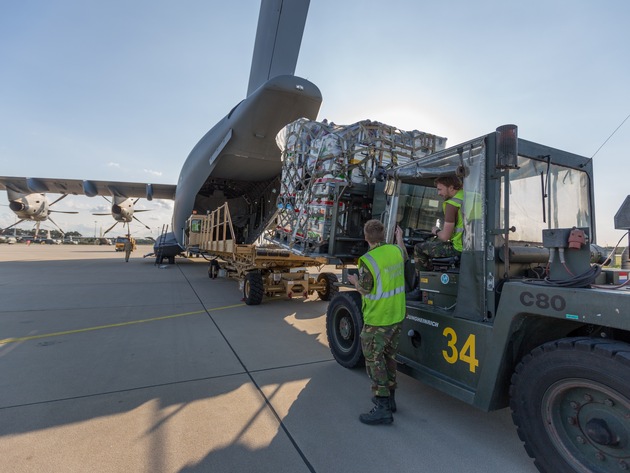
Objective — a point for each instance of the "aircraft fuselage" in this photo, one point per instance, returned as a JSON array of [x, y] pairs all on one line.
[[242, 149]]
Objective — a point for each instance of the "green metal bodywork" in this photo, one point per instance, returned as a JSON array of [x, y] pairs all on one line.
[[470, 350]]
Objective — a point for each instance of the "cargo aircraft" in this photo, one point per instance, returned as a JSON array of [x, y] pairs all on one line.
[[238, 160]]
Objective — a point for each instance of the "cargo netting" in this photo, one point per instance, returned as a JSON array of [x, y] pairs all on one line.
[[320, 160]]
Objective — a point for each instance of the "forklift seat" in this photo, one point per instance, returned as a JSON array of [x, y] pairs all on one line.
[[449, 263]]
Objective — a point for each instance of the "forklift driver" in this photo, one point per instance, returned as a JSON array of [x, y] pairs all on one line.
[[448, 241]]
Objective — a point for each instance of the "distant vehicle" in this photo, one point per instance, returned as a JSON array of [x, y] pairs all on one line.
[[45, 241], [121, 240], [70, 241]]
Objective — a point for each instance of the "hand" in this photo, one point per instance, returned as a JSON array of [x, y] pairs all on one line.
[[353, 279], [398, 234], [435, 230]]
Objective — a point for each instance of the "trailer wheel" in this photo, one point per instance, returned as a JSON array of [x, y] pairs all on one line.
[[344, 322], [213, 269], [330, 290], [570, 401], [253, 288]]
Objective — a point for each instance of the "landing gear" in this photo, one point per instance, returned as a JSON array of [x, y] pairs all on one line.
[[160, 259]]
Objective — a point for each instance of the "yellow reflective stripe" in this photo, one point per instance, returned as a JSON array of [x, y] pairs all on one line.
[[387, 294], [377, 273]]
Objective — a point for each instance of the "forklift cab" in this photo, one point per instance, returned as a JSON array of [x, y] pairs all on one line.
[[412, 192]]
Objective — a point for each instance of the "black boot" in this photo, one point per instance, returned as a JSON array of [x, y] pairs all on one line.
[[381, 413], [392, 400]]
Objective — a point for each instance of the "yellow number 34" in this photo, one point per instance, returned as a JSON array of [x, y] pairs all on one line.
[[466, 354]]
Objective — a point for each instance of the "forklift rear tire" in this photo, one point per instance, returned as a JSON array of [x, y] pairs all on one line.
[[570, 403], [253, 288], [330, 290], [344, 322]]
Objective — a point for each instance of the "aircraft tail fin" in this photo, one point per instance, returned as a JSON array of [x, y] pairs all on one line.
[[278, 39]]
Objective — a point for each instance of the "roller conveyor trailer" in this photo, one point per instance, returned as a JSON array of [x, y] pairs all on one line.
[[262, 270]]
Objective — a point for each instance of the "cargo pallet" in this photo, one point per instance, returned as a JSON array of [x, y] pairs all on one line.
[[333, 180]]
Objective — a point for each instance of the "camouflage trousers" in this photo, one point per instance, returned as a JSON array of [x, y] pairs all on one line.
[[436, 248], [379, 345]]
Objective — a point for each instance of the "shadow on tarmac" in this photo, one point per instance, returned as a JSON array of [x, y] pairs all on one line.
[[270, 408]]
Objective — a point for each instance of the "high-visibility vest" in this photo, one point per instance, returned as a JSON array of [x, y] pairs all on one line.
[[472, 207], [385, 304], [458, 232]]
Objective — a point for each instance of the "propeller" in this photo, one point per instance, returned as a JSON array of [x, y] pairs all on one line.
[[137, 220], [62, 212], [13, 225], [45, 216], [63, 196], [58, 227], [106, 231]]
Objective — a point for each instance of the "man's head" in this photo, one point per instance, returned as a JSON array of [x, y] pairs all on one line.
[[447, 186], [374, 232]]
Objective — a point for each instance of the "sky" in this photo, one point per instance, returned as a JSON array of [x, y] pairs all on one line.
[[123, 90]]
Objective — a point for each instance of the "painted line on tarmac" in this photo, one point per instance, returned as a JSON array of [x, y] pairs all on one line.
[[6, 341]]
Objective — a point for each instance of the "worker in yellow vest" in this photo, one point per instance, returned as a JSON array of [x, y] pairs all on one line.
[[381, 282], [449, 240], [128, 248]]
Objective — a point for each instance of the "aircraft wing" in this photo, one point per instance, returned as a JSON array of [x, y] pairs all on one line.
[[27, 185]]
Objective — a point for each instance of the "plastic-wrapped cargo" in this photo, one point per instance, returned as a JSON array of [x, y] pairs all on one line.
[[319, 159]]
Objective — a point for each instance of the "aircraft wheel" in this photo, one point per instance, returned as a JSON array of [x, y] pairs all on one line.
[[344, 322], [570, 401], [253, 289], [330, 290]]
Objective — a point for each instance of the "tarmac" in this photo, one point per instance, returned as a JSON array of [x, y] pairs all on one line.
[[107, 366]]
